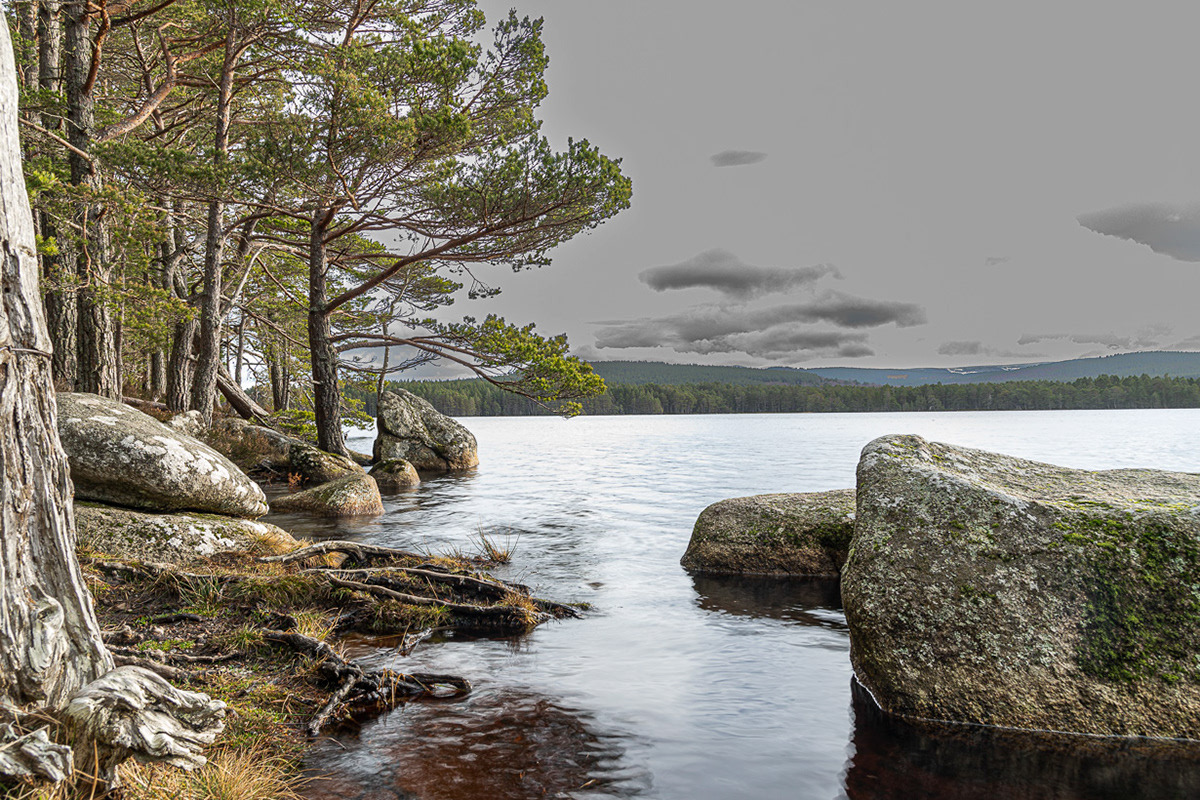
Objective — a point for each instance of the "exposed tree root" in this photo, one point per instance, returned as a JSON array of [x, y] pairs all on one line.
[[357, 552], [291, 603], [358, 686]]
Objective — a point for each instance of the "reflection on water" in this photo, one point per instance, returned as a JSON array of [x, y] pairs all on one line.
[[809, 601], [894, 760], [499, 744], [693, 688]]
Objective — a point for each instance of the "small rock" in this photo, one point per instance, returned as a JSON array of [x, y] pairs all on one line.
[[188, 422], [395, 475], [791, 534], [351, 496]]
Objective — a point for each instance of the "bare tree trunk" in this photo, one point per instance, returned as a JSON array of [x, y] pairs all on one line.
[[51, 638], [62, 312], [96, 345], [208, 355], [326, 393]]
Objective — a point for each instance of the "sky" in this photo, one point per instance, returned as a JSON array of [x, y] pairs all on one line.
[[874, 184]]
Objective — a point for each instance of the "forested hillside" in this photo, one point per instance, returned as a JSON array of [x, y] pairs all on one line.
[[478, 398]]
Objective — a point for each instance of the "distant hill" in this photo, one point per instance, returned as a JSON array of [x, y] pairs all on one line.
[[641, 373], [1157, 363]]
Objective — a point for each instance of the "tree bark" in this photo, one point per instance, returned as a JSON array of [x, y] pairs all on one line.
[[326, 394], [51, 638], [208, 354], [96, 347], [62, 312]]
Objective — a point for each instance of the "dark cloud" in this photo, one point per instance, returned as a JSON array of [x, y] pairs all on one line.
[[722, 270], [737, 158], [1173, 230], [992, 261], [962, 349], [776, 332]]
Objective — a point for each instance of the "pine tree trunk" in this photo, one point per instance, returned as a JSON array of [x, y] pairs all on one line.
[[62, 313], [96, 346], [326, 394], [51, 638]]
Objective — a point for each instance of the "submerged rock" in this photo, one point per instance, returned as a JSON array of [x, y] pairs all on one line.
[[395, 475], [988, 589], [121, 456], [413, 430], [793, 534], [172, 538], [351, 496]]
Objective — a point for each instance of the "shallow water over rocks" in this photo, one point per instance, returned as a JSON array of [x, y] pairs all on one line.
[[698, 687]]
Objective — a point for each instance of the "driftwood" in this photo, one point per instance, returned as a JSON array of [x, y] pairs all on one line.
[[488, 588], [358, 685], [377, 588]]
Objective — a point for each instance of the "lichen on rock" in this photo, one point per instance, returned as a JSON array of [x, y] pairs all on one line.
[[172, 538], [413, 430], [989, 589], [790, 534], [121, 456]]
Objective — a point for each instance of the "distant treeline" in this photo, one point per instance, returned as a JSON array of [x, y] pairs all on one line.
[[470, 398]]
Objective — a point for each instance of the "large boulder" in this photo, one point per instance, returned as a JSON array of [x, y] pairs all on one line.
[[121, 456], [412, 430], [172, 538], [793, 534], [260, 450], [988, 589], [392, 476], [352, 496]]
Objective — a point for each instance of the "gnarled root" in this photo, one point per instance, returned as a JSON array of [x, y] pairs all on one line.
[[132, 712], [30, 756], [359, 687]]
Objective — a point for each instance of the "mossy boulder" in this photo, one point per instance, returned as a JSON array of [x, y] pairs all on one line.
[[789, 534], [414, 431], [260, 450], [119, 455], [351, 496], [988, 589], [394, 475], [172, 538]]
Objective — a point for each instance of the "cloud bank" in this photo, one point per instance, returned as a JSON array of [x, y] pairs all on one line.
[[775, 332], [1172, 230], [723, 271], [737, 158]]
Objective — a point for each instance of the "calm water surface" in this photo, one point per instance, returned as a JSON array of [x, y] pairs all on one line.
[[691, 687]]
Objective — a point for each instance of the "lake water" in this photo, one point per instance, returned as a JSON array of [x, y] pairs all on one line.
[[690, 687]]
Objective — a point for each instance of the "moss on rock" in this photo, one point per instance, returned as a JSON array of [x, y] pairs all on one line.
[[791, 534], [989, 589], [351, 496]]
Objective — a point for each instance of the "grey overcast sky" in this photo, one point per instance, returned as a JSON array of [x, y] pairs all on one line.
[[875, 183]]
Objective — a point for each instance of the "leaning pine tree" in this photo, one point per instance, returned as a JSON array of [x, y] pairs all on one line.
[[57, 682]]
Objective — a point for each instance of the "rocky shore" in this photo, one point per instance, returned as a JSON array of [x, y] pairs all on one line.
[[985, 589]]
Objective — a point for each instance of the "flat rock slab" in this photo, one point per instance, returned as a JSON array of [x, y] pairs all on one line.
[[352, 496], [412, 430], [988, 589], [119, 455], [173, 538], [779, 534]]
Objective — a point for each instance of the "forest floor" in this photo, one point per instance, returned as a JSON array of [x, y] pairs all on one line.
[[261, 634]]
